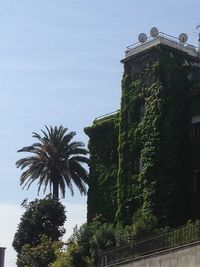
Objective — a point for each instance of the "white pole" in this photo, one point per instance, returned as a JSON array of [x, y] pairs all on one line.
[[199, 43]]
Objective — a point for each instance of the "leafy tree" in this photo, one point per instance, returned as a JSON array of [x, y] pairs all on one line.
[[42, 217], [56, 162], [84, 244], [70, 258], [40, 255], [91, 238], [63, 260]]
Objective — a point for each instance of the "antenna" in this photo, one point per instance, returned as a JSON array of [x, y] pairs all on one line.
[[198, 33], [183, 38], [142, 37], [154, 32], [199, 43]]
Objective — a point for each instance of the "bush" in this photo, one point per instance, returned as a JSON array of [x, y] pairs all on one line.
[[40, 255], [88, 240]]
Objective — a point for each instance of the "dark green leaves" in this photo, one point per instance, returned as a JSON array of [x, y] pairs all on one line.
[[56, 161]]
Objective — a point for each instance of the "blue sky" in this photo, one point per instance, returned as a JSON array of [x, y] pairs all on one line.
[[60, 64]]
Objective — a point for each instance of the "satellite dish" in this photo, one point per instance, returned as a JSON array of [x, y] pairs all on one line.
[[154, 32], [183, 38], [142, 37]]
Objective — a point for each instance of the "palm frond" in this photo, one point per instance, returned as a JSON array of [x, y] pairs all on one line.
[[77, 151], [79, 183], [55, 159], [68, 137], [62, 186], [81, 159], [77, 168]]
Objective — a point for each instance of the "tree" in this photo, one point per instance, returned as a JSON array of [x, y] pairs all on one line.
[[39, 256], [56, 162], [85, 243], [42, 217]]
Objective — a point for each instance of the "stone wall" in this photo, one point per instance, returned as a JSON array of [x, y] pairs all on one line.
[[188, 256]]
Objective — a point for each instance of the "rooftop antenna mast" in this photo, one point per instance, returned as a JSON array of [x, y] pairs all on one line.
[[198, 28]]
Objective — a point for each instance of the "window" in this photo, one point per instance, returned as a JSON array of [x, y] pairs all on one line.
[[195, 127], [195, 130], [196, 183]]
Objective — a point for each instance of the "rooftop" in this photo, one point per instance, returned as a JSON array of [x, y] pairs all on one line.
[[164, 39]]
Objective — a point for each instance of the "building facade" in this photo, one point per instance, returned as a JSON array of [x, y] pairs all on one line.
[[145, 159], [2, 256]]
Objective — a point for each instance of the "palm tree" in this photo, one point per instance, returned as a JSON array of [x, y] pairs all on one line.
[[56, 162]]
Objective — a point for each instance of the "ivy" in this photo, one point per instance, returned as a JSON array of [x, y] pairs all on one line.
[[103, 145], [168, 86], [142, 160]]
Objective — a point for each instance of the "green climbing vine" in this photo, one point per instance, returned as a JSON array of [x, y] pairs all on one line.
[[142, 159], [103, 145]]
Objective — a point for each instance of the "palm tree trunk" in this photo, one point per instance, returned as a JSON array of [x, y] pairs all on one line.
[[55, 190]]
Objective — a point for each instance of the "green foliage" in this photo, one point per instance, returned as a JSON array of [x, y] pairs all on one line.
[[63, 260], [158, 194], [90, 239], [160, 95], [93, 238], [77, 250], [103, 145], [138, 136], [69, 258], [104, 236], [56, 161], [144, 224], [40, 255], [179, 236], [85, 243], [42, 217]]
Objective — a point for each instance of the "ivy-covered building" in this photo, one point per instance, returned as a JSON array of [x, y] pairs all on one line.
[[145, 158]]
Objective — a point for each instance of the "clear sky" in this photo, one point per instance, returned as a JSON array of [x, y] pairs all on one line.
[[60, 64]]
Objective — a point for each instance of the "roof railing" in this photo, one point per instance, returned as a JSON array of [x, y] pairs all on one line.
[[107, 115], [160, 34]]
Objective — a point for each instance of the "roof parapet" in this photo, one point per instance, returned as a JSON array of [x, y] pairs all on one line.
[[162, 38]]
